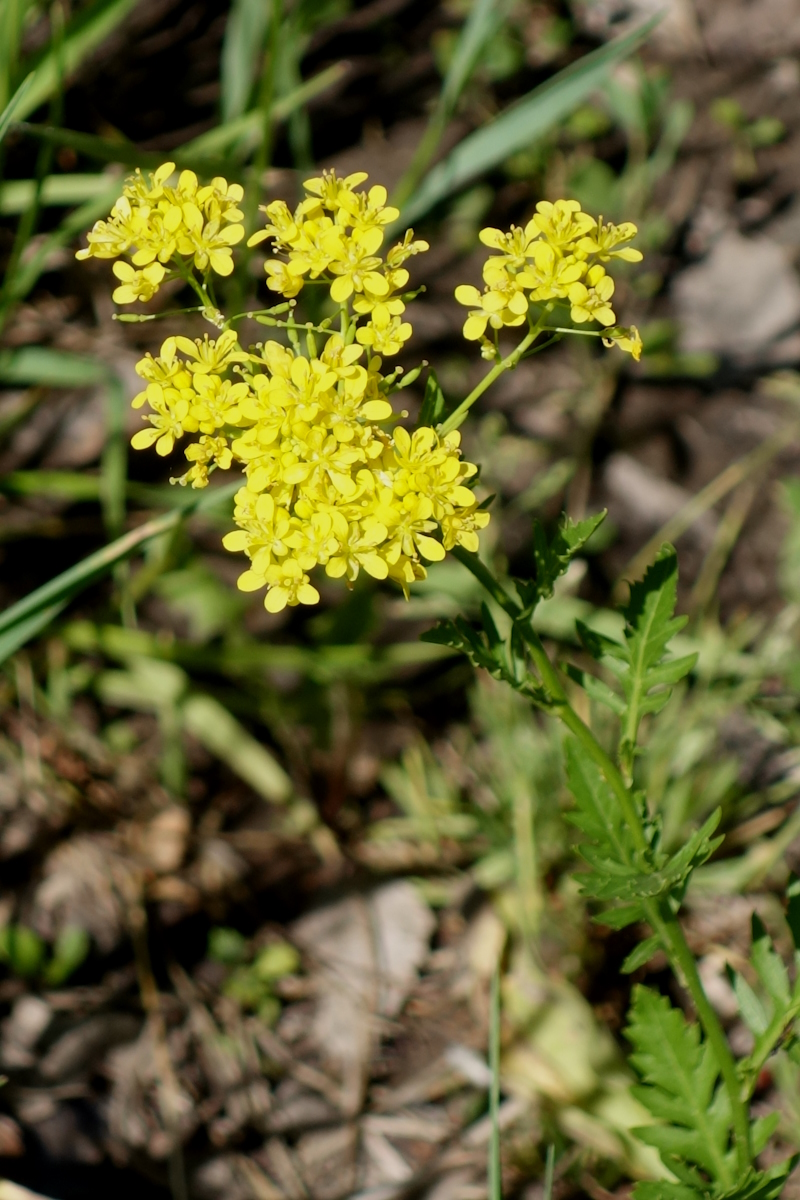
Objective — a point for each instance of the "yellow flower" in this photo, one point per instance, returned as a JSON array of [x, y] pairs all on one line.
[[549, 276], [211, 357], [203, 454], [136, 285], [592, 303], [110, 239], [514, 246], [331, 190], [384, 334], [628, 340], [288, 584], [352, 259], [502, 304], [280, 279], [153, 221], [606, 241], [562, 224], [169, 420]]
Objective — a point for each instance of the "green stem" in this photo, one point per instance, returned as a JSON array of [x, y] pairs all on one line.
[[665, 923], [659, 914], [457, 417]]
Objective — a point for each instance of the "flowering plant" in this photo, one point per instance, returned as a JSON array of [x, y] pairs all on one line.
[[333, 480]]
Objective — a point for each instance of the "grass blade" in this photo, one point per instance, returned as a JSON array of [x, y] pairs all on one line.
[[76, 222], [76, 487], [18, 195], [88, 31], [520, 125], [114, 462], [219, 731], [245, 34], [484, 20], [113, 151], [44, 367], [549, 1172], [66, 585], [10, 112], [14, 639], [495, 1177], [248, 127]]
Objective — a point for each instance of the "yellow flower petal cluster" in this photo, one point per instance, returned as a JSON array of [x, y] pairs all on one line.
[[156, 223], [556, 257], [326, 483], [334, 235]]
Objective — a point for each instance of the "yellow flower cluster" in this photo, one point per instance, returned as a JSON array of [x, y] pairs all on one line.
[[154, 223], [326, 485], [334, 235], [331, 480], [558, 256]]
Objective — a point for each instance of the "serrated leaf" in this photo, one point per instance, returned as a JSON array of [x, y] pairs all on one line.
[[553, 558], [621, 881], [752, 1010], [597, 644], [490, 629], [762, 1130], [763, 1185], [641, 955], [675, 1141], [650, 626], [433, 405], [664, 1190], [596, 689], [680, 1074], [793, 909], [620, 918], [769, 966], [598, 813], [444, 633]]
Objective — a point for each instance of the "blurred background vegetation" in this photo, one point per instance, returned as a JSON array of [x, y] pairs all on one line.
[[256, 871]]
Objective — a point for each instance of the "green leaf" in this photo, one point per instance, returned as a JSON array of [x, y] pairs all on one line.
[[247, 129], [598, 813], [26, 618], [620, 918], [9, 113], [641, 955], [596, 689], [45, 367], [242, 48], [752, 1012], [680, 1075], [664, 1190], [763, 1185], [15, 637], [56, 191], [762, 1130], [769, 966], [433, 405], [484, 20], [22, 949], [85, 32], [519, 126], [650, 626], [793, 909], [71, 948], [619, 881], [552, 558], [219, 731]]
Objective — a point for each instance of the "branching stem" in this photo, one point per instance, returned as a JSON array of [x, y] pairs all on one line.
[[660, 916]]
